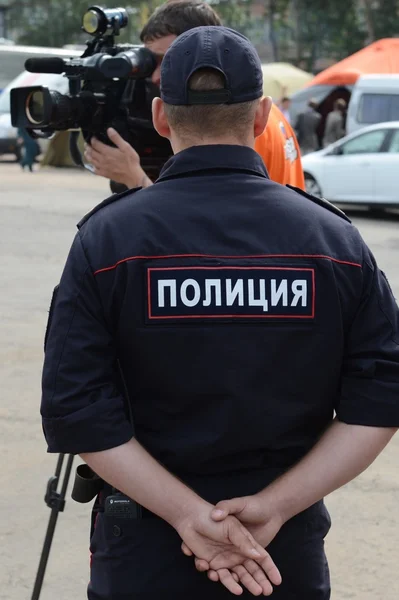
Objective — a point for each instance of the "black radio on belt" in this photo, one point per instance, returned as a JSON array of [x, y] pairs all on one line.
[[119, 506]]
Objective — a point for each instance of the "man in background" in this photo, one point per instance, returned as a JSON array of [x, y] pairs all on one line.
[[306, 128], [335, 123], [284, 105], [277, 146]]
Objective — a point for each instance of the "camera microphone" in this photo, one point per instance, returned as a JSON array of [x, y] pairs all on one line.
[[45, 65]]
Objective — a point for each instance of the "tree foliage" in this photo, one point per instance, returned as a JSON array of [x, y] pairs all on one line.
[[381, 18], [326, 29], [58, 22], [300, 31]]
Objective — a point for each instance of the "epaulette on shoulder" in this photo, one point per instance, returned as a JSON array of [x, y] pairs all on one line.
[[106, 202], [321, 202]]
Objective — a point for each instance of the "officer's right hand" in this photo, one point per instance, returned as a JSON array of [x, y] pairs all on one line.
[[228, 545], [262, 521]]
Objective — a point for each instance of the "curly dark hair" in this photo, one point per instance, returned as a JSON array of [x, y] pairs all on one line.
[[177, 16]]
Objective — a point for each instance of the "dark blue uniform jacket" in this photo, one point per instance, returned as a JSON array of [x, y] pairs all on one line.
[[242, 313]]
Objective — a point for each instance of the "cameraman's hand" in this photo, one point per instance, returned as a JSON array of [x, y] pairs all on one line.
[[120, 163]]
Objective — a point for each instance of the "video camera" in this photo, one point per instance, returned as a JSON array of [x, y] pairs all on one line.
[[109, 86]]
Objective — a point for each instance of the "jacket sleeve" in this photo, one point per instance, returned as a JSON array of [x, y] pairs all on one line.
[[370, 378], [82, 408]]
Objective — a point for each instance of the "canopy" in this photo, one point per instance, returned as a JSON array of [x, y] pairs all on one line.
[[283, 79], [57, 152], [379, 57]]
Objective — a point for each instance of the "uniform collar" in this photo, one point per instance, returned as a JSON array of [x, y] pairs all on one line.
[[214, 157]]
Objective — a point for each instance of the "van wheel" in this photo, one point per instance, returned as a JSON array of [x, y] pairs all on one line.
[[312, 187], [18, 154]]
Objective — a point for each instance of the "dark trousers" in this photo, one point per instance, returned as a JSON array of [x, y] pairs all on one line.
[[29, 152], [142, 560]]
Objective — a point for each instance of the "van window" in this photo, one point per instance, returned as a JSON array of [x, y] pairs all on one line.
[[377, 108]]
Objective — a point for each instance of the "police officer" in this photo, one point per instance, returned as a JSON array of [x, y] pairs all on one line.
[[277, 144], [243, 315]]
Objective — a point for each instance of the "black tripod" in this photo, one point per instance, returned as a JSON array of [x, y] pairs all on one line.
[[56, 502], [86, 487]]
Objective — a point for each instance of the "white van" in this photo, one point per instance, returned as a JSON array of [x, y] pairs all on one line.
[[374, 99], [12, 59]]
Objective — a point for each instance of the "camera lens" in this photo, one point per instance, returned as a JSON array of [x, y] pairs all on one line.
[[91, 22], [35, 107]]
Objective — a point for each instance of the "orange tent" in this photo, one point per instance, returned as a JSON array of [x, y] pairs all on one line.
[[380, 57]]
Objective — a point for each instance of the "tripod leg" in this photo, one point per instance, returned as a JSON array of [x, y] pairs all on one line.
[[56, 502]]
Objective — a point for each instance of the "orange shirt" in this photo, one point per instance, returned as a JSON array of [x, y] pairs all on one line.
[[279, 149]]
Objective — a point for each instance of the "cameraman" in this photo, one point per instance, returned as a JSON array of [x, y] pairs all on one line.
[[277, 145]]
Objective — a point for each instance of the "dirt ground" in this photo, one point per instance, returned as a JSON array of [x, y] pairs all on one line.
[[37, 224]]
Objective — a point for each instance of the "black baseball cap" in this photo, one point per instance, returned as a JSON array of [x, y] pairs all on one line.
[[213, 47]]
